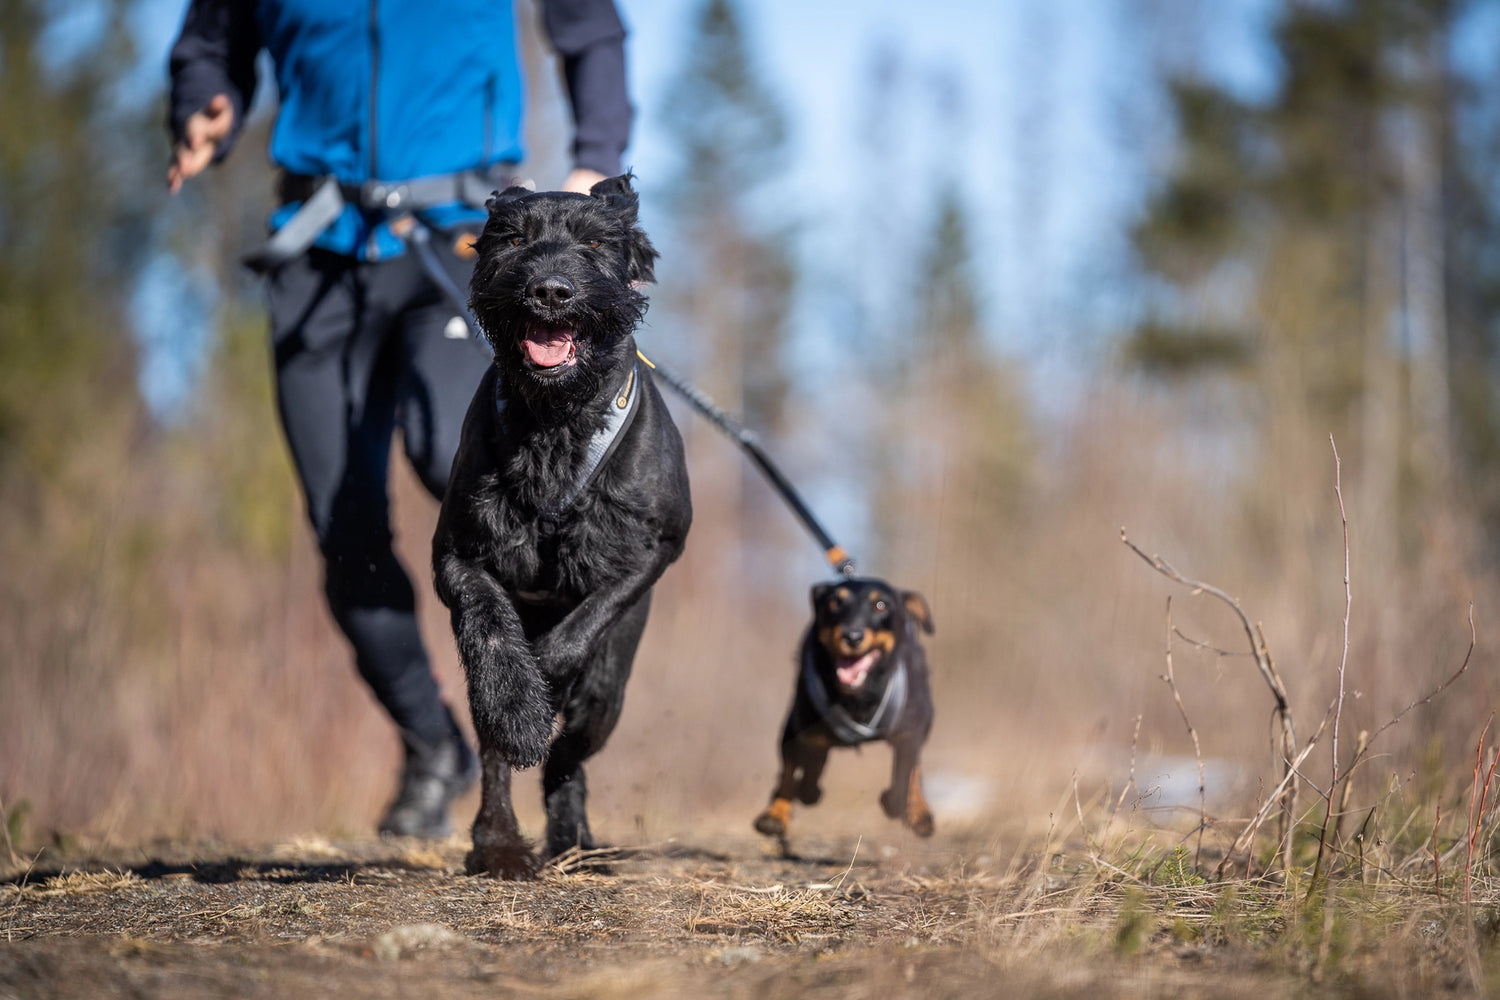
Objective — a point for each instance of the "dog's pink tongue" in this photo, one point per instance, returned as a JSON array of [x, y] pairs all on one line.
[[548, 348], [851, 673]]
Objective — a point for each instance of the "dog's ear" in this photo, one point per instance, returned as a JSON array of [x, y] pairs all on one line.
[[916, 606], [820, 593], [498, 199], [618, 194]]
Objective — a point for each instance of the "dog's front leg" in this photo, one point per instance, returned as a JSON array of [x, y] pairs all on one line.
[[499, 849], [508, 696], [904, 799], [563, 651]]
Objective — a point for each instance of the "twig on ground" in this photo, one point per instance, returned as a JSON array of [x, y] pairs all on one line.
[[1130, 782], [1476, 797], [10, 847], [1343, 809], [1171, 679], [1425, 699], [1338, 709], [1437, 868], [1267, 668], [839, 882], [1247, 835]]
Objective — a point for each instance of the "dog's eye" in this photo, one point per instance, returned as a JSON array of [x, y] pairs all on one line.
[[516, 241], [881, 607], [593, 244]]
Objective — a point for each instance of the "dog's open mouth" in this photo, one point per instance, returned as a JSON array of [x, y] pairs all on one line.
[[852, 670], [549, 348]]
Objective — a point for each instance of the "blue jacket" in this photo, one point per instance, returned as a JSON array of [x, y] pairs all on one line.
[[396, 89]]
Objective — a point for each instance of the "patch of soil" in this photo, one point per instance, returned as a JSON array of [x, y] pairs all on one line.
[[386, 920]]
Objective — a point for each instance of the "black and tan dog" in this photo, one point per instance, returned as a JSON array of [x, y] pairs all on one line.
[[861, 676], [568, 498]]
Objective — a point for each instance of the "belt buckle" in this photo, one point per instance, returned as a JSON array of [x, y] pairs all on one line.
[[384, 194]]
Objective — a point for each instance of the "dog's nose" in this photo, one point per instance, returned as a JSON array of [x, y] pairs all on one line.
[[553, 290], [853, 636]]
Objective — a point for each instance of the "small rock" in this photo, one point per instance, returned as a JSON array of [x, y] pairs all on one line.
[[738, 956], [402, 941]]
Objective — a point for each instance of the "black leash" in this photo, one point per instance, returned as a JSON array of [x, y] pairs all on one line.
[[418, 238], [750, 444]]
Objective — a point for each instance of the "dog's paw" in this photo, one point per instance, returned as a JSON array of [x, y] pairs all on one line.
[[513, 862], [523, 748], [890, 806], [771, 826], [921, 825], [809, 795], [775, 820]]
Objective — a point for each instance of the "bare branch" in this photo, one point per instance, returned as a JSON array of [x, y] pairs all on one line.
[[1171, 680], [1425, 699], [1338, 710], [1267, 667]]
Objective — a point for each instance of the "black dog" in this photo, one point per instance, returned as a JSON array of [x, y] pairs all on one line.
[[861, 676], [568, 498]]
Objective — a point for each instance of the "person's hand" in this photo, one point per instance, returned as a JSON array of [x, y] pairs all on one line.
[[581, 179], [200, 140]]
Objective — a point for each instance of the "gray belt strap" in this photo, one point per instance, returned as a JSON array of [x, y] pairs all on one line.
[[324, 205], [317, 213]]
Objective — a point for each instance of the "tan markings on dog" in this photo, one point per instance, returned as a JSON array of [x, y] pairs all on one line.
[[916, 606], [463, 247], [918, 815], [842, 594], [832, 639], [781, 809]]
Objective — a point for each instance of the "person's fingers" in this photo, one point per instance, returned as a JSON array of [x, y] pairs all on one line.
[[188, 161], [201, 135], [581, 179], [218, 118]]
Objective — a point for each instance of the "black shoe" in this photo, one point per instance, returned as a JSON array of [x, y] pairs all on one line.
[[433, 777]]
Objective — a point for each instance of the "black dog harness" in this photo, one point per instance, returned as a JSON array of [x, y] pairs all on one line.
[[846, 728]]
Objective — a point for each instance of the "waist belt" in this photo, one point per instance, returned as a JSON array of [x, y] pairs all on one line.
[[323, 200]]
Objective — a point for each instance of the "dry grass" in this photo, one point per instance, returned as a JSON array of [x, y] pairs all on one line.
[[172, 678]]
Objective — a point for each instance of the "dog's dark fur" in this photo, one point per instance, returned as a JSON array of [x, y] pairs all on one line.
[[852, 620], [548, 605]]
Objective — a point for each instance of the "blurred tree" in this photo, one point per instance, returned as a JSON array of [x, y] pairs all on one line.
[[731, 137], [1313, 243], [72, 219], [729, 272]]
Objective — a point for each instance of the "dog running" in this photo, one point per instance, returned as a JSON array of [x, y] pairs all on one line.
[[861, 676], [568, 499]]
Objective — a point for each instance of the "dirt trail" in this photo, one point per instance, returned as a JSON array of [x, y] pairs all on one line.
[[380, 920]]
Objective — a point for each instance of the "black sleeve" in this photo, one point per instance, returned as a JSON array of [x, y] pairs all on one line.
[[214, 54], [590, 38]]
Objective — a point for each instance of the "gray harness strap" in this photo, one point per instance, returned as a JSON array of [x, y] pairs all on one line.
[[845, 727], [326, 203], [619, 415]]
